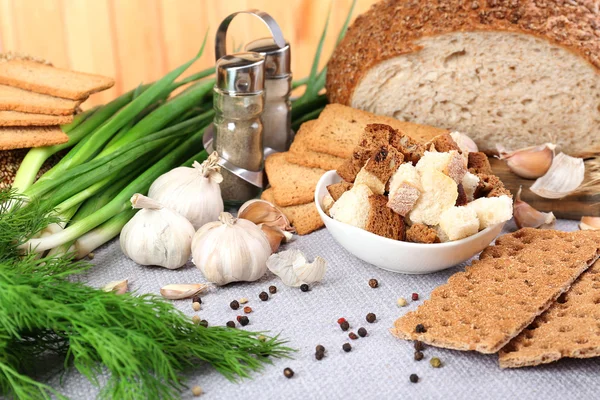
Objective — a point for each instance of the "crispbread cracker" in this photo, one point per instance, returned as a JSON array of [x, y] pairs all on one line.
[[339, 129], [292, 184], [496, 297], [41, 78], [22, 137], [15, 99], [569, 328], [17, 118], [305, 217], [299, 153]]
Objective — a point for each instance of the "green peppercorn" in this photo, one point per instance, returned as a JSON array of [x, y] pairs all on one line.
[[371, 318], [345, 325], [304, 287], [419, 346], [418, 356], [347, 347], [373, 283], [234, 305], [414, 378], [263, 296], [420, 328], [230, 324], [435, 362], [320, 348], [288, 373], [272, 289], [362, 332]]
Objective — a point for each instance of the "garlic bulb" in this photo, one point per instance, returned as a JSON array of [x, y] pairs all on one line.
[[589, 223], [231, 250], [530, 162], [192, 192], [294, 270], [270, 219], [528, 217], [156, 235], [563, 178]]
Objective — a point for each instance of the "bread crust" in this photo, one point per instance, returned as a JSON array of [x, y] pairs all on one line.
[[391, 28]]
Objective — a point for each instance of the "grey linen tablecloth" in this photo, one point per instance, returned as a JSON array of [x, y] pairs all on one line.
[[378, 366]]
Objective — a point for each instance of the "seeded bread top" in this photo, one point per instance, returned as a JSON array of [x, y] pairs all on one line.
[[392, 27]]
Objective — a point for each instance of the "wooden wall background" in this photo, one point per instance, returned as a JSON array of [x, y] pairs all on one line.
[[138, 41]]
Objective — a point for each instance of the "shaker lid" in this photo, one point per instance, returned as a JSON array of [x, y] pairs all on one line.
[[277, 59], [241, 73]]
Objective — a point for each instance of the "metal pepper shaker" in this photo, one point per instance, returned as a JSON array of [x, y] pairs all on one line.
[[277, 115]]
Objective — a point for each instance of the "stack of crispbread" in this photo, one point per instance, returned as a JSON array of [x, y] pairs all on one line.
[[35, 99], [321, 145], [518, 300]]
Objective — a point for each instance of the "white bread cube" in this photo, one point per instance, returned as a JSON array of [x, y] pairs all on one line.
[[405, 189], [470, 182], [365, 177], [327, 203], [492, 210], [439, 194], [353, 206], [450, 163], [459, 222]]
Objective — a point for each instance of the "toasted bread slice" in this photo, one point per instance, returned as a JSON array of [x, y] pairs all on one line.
[[15, 99]]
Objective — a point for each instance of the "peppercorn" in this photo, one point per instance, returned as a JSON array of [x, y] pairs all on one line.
[[263, 296], [196, 391], [340, 320], [420, 328], [272, 289], [234, 305], [435, 362], [262, 338], [347, 347], [319, 355], [414, 378], [418, 356], [247, 309], [243, 320], [204, 323], [243, 300], [352, 336], [230, 324], [415, 296], [371, 318], [196, 306], [362, 332], [401, 302], [196, 319], [320, 348], [196, 299], [304, 287], [373, 283], [419, 346], [345, 325], [288, 373], [91, 256]]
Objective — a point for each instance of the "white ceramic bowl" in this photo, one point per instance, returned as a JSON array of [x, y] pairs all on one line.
[[397, 256]]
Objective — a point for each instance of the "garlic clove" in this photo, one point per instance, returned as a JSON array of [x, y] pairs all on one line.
[[589, 223], [528, 217], [263, 212], [293, 269], [178, 291], [464, 142], [564, 177], [530, 162], [274, 235], [119, 287]]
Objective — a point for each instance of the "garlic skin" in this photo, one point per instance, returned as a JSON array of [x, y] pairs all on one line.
[[231, 250], [294, 270], [529, 162], [263, 212], [563, 178], [464, 142], [589, 223], [156, 235], [194, 192], [275, 236], [528, 217]]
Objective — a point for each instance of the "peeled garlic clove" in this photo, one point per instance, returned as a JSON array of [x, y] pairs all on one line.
[[294, 270], [178, 291], [528, 217], [530, 162], [119, 287], [464, 142], [589, 223], [563, 178], [263, 212]]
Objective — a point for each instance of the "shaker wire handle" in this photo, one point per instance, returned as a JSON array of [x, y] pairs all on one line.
[[221, 37]]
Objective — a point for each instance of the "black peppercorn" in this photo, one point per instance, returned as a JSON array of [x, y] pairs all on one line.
[[345, 325], [196, 299], [373, 283], [352, 336], [263, 296], [414, 378], [234, 305], [419, 346], [243, 320], [319, 355], [371, 318], [230, 324], [204, 323], [347, 347], [418, 355], [420, 328], [288, 373], [320, 348], [304, 287], [362, 332], [272, 289]]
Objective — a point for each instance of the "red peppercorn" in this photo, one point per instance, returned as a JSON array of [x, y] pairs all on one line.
[[238, 318], [352, 336], [341, 320], [415, 296]]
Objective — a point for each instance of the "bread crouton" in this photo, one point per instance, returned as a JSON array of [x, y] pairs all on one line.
[[384, 222], [492, 210], [451, 164], [459, 222], [443, 143], [353, 206], [490, 186], [405, 189], [439, 194], [336, 190], [479, 164], [420, 233], [410, 148], [379, 168]]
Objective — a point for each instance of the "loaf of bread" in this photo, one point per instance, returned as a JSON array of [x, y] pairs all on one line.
[[511, 72]]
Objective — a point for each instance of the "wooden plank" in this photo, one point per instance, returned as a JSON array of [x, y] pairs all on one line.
[[7, 27]]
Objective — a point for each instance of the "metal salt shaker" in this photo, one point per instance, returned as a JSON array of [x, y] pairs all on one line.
[[277, 115]]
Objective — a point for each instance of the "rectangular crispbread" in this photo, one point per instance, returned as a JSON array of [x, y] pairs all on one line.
[[301, 155], [22, 137], [292, 184], [45, 79], [569, 328], [516, 280], [17, 118], [305, 218], [15, 99], [339, 129]]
